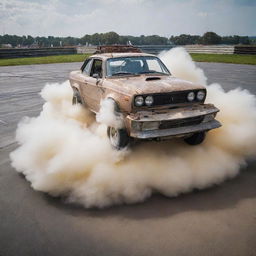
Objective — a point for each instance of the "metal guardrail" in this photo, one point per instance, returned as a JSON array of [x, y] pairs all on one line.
[[221, 49], [35, 52], [245, 49], [156, 49], [152, 49], [216, 49]]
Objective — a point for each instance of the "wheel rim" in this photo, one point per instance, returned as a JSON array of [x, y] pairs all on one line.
[[114, 137]]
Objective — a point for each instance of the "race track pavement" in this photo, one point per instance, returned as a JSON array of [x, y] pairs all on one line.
[[216, 221]]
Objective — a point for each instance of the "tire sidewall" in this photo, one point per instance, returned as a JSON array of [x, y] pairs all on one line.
[[196, 138], [121, 140]]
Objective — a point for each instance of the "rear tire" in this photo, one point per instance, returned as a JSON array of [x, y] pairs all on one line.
[[118, 138], [196, 138]]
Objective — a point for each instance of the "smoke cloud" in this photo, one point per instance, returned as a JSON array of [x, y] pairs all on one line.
[[65, 152], [108, 115]]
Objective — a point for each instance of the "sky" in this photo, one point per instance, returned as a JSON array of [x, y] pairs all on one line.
[[127, 17]]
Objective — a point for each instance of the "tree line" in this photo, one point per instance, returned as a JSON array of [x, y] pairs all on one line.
[[210, 38], [113, 38]]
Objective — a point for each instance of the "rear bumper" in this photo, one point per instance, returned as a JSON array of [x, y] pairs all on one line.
[[179, 122]]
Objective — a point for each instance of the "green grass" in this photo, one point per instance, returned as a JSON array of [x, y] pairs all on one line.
[[225, 58], [200, 57], [44, 60]]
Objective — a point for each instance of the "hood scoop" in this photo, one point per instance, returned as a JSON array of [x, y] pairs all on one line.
[[153, 78]]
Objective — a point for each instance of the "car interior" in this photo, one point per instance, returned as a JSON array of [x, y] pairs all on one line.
[[96, 68]]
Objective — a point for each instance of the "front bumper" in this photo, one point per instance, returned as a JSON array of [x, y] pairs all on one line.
[[179, 122]]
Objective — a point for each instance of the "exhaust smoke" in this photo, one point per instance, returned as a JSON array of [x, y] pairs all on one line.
[[65, 152]]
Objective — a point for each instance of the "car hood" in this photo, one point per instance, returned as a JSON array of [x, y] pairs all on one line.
[[151, 84]]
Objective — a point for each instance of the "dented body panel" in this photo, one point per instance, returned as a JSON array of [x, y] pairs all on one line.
[[177, 122], [171, 114]]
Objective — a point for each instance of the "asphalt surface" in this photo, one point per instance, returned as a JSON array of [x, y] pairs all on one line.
[[216, 221]]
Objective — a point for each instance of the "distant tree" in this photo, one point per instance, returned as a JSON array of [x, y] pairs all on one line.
[[184, 39], [111, 38], [67, 41], [114, 38], [155, 40], [230, 39], [42, 41], [123, 39], [142, 40], [252, 40], [96, 38], [244, 40], [134, 40], [86, 39], [210, 38]]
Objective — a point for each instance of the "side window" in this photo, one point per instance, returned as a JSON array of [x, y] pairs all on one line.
[[96, 68], [87, 66]]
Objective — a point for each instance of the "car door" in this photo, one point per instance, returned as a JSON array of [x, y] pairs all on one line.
[[93, 88], [83, 80]]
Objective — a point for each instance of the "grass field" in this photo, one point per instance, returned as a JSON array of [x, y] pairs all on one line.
[[225, 58], [222, 58]]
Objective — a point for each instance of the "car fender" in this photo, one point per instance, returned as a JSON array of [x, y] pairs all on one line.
[[122, 101], [113, 99], [75, 86]]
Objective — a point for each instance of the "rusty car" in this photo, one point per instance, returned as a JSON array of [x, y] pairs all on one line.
[[154, 104]]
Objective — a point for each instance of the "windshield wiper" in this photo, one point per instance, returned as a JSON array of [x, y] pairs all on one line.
[[151, 72], [122, 73]]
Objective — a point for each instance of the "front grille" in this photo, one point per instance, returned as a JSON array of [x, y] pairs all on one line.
[[170, 98], [181, 122]]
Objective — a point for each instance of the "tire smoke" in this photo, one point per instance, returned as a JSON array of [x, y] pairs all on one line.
[[65, 152]]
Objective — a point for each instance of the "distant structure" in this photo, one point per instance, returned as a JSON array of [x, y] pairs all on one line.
[[6, 46]]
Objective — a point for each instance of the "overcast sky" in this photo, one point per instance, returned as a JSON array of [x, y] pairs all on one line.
[[127, 17]]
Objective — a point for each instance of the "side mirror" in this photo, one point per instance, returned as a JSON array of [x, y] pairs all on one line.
[[96, 76]]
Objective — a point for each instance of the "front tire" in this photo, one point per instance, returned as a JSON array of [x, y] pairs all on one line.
[[118, 138], [196, 138], [76, 98]]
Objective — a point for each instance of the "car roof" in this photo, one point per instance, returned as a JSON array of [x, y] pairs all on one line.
[[120, 54]]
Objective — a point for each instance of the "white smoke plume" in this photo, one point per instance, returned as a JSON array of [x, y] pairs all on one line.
[[65, 152], [108, 115], [181, 65]]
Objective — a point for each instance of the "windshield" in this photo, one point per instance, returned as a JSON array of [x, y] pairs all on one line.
[[135, 66]]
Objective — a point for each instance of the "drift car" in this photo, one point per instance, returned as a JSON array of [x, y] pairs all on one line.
[[153, 103]]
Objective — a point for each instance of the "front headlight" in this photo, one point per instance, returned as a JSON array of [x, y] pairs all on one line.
[[191, 96], [139, 101], [149, 100], [200, 95]]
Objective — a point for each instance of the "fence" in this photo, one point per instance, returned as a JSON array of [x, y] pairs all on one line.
[[221, 49], [217, 49], [211, 49], [36, 52], [152, 49], [245, 49]]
